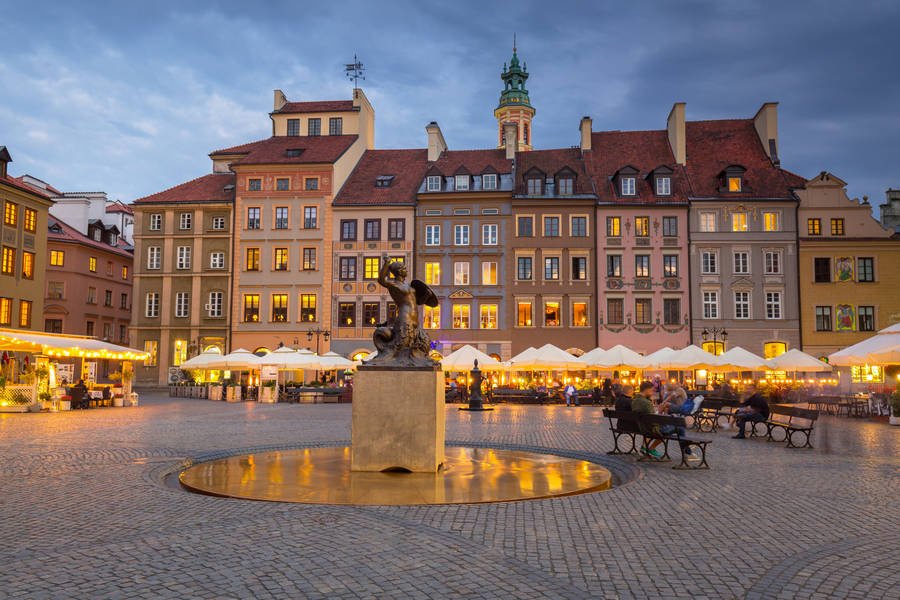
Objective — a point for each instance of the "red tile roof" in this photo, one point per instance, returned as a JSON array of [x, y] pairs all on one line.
[[551, 162], [70, 234], [643, 150], [315, 149], [714, 145], [407, 167], [49, 188], [118, 207], [321, 106], [475, 161], [16, 183], [209, 188]]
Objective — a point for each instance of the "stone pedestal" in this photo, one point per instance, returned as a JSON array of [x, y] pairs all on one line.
[[398, 419]]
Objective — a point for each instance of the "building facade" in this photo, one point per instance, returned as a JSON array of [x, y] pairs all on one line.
[[23, 235], [890, 210], [849, 268], [182, 273], [642, 285], [373, 217], [285, 186], [743, 232]]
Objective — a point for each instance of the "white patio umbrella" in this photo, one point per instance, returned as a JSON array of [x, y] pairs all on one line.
[[588, 356], [463, 359], [240, 359], [659, 360], [523, 357], [331, 361], [881, 348], [202, 360], [795, 360], [549, 356], [616, 358], [692, 357], [739, 359], [288, 359]]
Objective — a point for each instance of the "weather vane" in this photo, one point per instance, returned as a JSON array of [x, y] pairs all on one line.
[[355, 71]]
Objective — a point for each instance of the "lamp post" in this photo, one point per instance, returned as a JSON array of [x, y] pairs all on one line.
[[319, 333], [717, 333]]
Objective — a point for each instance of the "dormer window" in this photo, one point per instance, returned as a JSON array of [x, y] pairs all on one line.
[[96, 234], [113, 239], [732, 179], [564, 186], [663, 186], [489, 181], [433, 183], [462, 183], [384, 181], [628, 188], [294, 152], [734, 184], [534, 186]]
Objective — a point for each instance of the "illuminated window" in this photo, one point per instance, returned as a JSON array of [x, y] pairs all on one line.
[[643, 311], [814, 226], [28, 265], [92, 264], [715, 348], [150, 349], [55, 290], [433, 273], [252, 259], [867, 374], [461, 273], [489, 273], [30, 223], [488, 316], [523, 311], [613, 226], [837, 227], [346, 314], [9, 261], [25, 313], [279, 308], [432, 317], [770, 221], [371, 312], [180, 352], [371, 267], [579, 314], [642, 226], [739, 221], [10, 211], [5, 311], [552, 314], [307, 307], [461, 316], [251, 308], [615, 311], [281, 259], [124, 272], [57, 258], [773, 349], [734, 184]]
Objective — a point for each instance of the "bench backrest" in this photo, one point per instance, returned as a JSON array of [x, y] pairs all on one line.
[[624, 419], [711, 403], [793, 412], [647, 419]]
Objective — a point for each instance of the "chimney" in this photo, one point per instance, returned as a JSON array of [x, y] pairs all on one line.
[[675, 129], [4, 159], [585, 128], [511, 139], [280, 100], [436, 143], [766, 123]]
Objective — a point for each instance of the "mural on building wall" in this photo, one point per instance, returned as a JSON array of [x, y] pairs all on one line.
[[843, 269], [845, 318]]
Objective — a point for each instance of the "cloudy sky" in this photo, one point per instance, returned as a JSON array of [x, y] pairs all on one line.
[[129, 98]]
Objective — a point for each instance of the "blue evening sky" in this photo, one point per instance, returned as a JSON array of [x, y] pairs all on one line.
[[129, 97]]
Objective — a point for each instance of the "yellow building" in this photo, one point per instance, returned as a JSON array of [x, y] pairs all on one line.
[[849, 268], [23, 266]]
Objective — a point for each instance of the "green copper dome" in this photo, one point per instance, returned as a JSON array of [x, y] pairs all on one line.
[[514, 92]]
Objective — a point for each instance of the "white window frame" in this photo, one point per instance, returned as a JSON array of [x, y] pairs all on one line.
[[710, 305], [489, 181], [488, 273], [739, 219], [708, 222], [182, 304], [774, 306], [460, 235], [218, 223], [711, 266], [768, 256], [432, 235], [461, 183], [776, 217], [489, 234], [491, 313], [463, 314], [743, 303], [154, 258], [433, 183], [155, 222], [214, 306], [746, 262], [183, 258], [151, 305], [628, 186], [184, 221], [216, 260], [663, 186], [461, 273]]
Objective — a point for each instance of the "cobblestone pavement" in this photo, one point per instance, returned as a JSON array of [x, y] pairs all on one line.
[[86, 514]]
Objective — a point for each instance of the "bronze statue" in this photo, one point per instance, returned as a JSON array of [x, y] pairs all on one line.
[[399, 341]]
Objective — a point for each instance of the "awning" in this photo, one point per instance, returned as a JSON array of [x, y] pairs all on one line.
[[53, 344]]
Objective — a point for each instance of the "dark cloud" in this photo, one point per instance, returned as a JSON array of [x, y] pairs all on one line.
[[130, 98]]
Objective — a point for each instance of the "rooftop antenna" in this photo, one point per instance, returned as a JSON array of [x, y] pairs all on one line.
[[355, 71]]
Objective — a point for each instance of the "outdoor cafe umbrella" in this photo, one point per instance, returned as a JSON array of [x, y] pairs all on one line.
[[331, 361], [549, 356], [795, 360], [882, 348], [690, 358], [616, 358], [288, 359], [738, 359], [463, 359], [659, 360], [202, 360], [588, 356], [238, 360], [523, 357]]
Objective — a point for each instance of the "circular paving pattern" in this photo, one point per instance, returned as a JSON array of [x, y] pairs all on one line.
[[323, 476]]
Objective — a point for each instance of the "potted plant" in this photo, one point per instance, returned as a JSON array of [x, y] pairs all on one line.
[[895, 408], [44, 398], [233, 391], [267, 391]]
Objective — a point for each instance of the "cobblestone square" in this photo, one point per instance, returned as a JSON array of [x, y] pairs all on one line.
[[86, 514]]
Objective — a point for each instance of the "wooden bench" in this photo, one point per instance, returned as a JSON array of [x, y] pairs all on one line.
[[647, 423], [520, 396], [791, 420], [621, 423]]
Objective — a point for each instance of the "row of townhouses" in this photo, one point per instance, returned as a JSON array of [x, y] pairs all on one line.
[[642, 238]]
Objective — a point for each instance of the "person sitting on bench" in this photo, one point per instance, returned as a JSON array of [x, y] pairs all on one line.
[[754, 409]]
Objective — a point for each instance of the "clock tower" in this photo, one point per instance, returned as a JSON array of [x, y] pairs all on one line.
[[515, 106]]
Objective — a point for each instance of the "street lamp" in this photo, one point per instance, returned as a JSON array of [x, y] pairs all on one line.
[[717, 333], [323, 333]]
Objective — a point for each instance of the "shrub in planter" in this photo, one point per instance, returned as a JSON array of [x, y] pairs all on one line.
[[895, 404]]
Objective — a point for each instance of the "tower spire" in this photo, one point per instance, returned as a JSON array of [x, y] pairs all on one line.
[[515, 105]]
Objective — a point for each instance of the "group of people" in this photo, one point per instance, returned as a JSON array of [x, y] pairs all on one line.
[[672, 399]]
